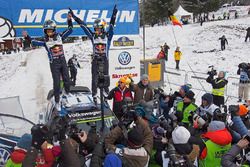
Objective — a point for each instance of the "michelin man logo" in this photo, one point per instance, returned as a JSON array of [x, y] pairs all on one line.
[[6, 28], [124, 58]]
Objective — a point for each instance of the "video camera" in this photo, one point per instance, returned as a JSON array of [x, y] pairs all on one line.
[[244, 66], [102, 79], [212, 71], [201, 122]]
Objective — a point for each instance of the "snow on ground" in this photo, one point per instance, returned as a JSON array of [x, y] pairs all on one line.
[[27, 74]]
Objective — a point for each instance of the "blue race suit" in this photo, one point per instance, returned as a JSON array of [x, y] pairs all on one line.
[[101, 44], [58, 65]]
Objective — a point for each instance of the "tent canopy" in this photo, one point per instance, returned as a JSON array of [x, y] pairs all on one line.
[[182, 12]]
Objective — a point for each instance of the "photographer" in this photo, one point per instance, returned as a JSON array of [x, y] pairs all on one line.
[[232, 156], [237, 114], [138, 141], [244, 72], [167, 102], [207, 108], [184, 109], [217, 141], [118, 94], [218, 85]]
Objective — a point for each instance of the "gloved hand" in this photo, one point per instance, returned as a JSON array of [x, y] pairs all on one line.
[[39, 135], [71, 12]]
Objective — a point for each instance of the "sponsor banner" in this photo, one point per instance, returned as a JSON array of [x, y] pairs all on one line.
[[123, 60], [19, 15]]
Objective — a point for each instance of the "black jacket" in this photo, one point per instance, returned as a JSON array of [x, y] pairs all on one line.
[[223, 41], [215, 82]]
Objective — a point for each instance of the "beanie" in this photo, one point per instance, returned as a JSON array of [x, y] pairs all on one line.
[[144, 76], [207, 97], [190, 95], [25, 141], [180, 135], [135, 136], [216, 125], [242, 110], [186, 88], [122, 80]]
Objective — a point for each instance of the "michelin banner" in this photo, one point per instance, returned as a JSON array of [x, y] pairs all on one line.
[[29, 15]]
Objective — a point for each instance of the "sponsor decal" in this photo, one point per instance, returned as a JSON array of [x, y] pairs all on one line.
[[124, 58], [115, 76], [123, 41]]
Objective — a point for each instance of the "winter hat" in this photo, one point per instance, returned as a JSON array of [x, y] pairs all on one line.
[[190, 95], [242, 110], [135, 137], [24, 142], [122, 80], [207, 97], [180, 135], [216, 125], [144, 76], [185, 88]]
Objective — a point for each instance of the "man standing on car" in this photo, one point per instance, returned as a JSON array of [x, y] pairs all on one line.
[[101, 40], [53, 43]]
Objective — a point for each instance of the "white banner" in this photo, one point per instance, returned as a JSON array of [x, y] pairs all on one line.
[[124, 58]]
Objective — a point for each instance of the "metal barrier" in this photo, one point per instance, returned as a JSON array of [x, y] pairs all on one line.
[[176, 78]]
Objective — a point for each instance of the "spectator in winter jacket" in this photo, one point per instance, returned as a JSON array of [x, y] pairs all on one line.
[[181, 137], [177, 57], [184, 109], [237, 114], [26, 41], [161, 54], [244, 72], [218, 85], [43, 154], [142, 90], [167, 102], [217, 141], [73, 64], [118, 94], [223, 42], [20, 151], [230, 157], [248, 34], [139, 145], [207, 108], [166, 48]]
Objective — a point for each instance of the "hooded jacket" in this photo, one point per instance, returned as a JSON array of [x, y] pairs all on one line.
[[16, 158], [219, 137]]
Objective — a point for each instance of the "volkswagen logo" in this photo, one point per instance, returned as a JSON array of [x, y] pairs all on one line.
[[124, 58], [4, 156]]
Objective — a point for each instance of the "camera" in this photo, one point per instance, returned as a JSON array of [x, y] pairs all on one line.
[[102, 79], [175, 161], [201, 122], [212, 71]]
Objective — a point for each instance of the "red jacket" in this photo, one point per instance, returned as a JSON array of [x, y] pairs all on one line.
[[220, 137], [161, 55], [118, 96]]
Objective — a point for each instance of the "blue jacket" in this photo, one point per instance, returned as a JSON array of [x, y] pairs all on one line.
[[239, 126]]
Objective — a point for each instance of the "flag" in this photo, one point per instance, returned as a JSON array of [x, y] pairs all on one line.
[[173, 19]]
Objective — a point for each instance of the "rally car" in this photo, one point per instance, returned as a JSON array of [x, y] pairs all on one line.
[[80, 108]]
